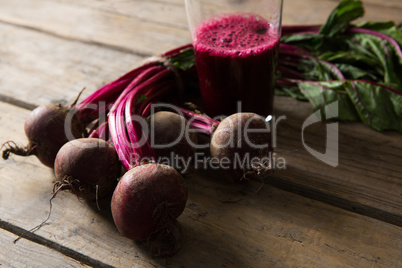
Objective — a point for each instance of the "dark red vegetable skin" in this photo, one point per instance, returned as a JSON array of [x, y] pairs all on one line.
[[138, 195], [235, 124], [90, 161], [45, 130], [164, 128]]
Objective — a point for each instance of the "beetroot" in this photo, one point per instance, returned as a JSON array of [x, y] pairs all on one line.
[[150, 196], [89, 167], [146, 203], [46, 133], [170, 137], [243, 140]]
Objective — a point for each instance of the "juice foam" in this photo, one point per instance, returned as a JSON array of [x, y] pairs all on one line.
[[238, 35]]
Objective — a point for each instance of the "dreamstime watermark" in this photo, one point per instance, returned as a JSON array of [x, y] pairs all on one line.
[[202, 160]]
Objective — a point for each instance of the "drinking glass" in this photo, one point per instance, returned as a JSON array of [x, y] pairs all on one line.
[[236, 49]]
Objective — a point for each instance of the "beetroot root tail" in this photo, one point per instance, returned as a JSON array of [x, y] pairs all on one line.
[[10, 147], [167, 239]]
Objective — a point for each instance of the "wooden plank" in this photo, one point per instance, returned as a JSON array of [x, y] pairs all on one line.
[[108, 27], [317, 11], [225, 224], [390, 3], [30, 255], [254, 227], [369, 170], [171, 13], [148, 27], [42, 69]]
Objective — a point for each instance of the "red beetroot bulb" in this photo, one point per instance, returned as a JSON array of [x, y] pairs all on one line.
[[146, 203]]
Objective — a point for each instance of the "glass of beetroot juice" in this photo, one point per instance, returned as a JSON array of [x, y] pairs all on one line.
[[236, 50]]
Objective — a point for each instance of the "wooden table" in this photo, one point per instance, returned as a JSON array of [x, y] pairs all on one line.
[[309, 215]]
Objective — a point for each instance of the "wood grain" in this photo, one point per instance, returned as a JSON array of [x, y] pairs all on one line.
[[148, 27], [26, 254], [41, 69], [316, 11], [107, 27], [369, 172], [224, 224]]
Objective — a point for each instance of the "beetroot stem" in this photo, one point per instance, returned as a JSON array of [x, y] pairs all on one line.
[[204, 123], [114, 134], [138, 81], [177, 51], [135, 131], [203, 118], [105, 90], [153, 97], [378, 34]]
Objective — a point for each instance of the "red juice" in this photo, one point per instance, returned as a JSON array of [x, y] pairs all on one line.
[[236, 58]]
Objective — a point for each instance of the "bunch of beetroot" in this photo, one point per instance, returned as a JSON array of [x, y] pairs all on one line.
[[106, 145]]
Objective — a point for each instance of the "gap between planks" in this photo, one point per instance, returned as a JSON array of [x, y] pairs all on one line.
[[53, 245], [333, 200], [16, 102]]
